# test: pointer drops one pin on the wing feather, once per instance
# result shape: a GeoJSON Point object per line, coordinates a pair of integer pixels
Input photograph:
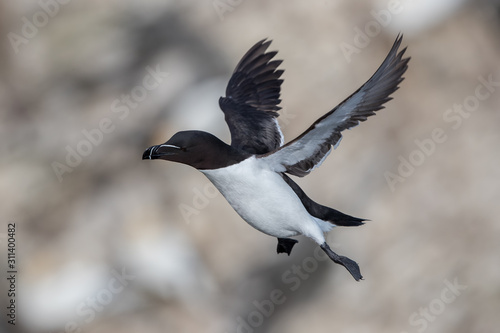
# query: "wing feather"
{"type": "Point", "coordinates": [251, 103]}
{"type": "Point", "coordinates": [300, 156]}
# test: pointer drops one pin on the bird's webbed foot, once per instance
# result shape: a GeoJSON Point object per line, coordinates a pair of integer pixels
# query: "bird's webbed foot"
{"type": "Point", "coordinates": [285, 245]}
{"type": "Point", "coordinates": [349, 264]}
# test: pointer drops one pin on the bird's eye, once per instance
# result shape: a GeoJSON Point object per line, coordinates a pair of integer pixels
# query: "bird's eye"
{"type": "Point", "coordinates": [183, 148]}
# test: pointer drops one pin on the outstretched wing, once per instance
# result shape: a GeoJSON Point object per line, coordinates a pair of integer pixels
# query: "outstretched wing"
{"type": "Point", "coordinates": [251, 103]}
{"type": "Point", "coordinates": [308, 150]}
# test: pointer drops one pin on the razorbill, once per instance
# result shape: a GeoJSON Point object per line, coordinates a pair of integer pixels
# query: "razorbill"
{"type": "Point", "coordinates": [251, 173]}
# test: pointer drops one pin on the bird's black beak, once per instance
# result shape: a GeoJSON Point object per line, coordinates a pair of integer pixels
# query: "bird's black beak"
{"type": "Point", "coordinates": [148, 154]}
{"type": "Point", "coordinates": [160, 151]}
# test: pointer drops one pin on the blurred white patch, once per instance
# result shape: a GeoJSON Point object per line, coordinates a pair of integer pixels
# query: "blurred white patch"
{"type": "Point", "coordinates": [198, 108]}
{"type": "Point", "coordinates": [51, 301]}
{"type": "Point", "coordinates": [417, 16]}
{"type": "Point", "coordinates": [167, 264]}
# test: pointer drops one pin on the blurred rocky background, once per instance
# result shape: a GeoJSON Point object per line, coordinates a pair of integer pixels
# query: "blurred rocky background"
{"type": "Point", "coordinates": [106, 242]}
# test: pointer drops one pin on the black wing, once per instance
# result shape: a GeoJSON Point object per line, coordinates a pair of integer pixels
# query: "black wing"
{"type": "Point", "coordinates": [308, 150]}
{"type": "Point", "coordinates": [251, 103]}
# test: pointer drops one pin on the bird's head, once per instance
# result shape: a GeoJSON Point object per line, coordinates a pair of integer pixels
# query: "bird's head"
{"type": "Point", "coordinates": [198, 149]}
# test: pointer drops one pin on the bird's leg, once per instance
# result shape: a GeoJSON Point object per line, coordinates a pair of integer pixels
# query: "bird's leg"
{"type": "Point", "coordinates": [349, 264]}
{"type": "Point", "coordinates": [285, 245]}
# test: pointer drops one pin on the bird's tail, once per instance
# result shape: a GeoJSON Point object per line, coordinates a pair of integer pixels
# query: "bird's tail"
{"type": "Point", "coordinates": [322, 212]}
{"type": "Point", "coordinates": [341, 219]}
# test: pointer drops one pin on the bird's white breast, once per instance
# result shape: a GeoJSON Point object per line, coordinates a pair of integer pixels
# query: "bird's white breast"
{"type": "Point", "coordinates": [261, 197]}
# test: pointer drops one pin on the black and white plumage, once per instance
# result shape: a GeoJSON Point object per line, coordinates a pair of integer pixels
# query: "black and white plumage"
{"type": "Point", "coordinates": [251, 173]}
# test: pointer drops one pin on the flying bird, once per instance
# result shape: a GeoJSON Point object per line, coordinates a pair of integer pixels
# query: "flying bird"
{"type": "Point", "coordinates": [252, 172]}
